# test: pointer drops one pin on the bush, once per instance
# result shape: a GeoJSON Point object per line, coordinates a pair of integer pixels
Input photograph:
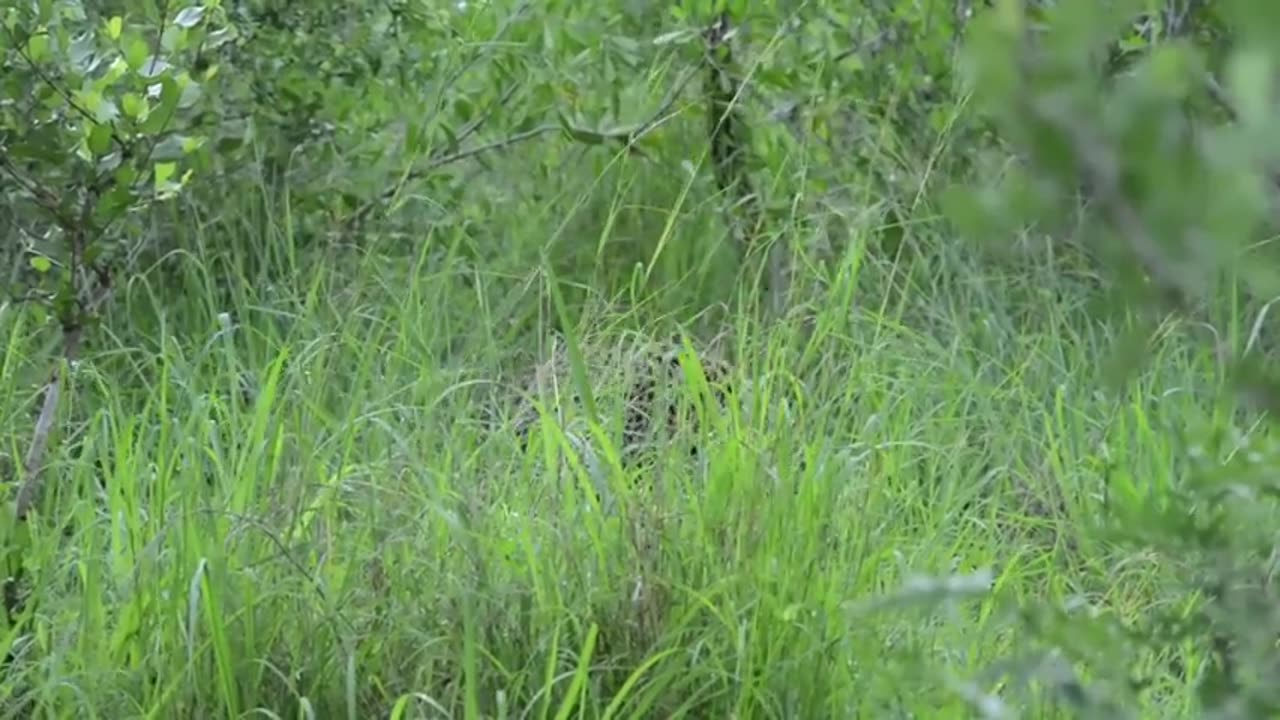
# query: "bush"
{"type": "Point", "coordinates": [1120, 112]}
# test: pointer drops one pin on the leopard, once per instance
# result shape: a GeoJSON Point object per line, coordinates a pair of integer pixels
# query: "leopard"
{"type": "Point", "coordinates": [660, 385]}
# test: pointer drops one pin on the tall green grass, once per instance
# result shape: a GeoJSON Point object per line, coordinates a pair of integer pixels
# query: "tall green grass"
{"type": "Point", "coordinates": [279, 492]}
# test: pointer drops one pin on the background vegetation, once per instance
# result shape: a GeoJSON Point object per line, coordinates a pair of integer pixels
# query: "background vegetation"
{"type": "Point", "coordinates": [992, 283]}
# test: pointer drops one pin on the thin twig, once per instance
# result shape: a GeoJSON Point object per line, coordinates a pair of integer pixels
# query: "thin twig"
{"type": "Point", "coordinates": [443, 160]}
{"type": "Point", "coordinates": [472, 127]}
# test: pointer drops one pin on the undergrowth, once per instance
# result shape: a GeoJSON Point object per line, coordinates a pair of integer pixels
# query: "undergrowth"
{"type": "Point", "coordinates": [285, 498]}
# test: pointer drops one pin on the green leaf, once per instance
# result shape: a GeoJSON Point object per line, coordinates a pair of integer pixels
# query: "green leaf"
{"type": "Point", "coordinates": [191, 92]}
{"type": "Point", "coordinates": [164, 172]}
{"type": "Point", "coordinates": [170, 94]}
{"type": "Point", "coordinates": [175, 147]}
{"type": "Point", "coordinates": [675, 37]}
{"type": "Point", "coordinates": [173, 40]}
{"type": "Point", "coordinates": [115, 71]}
{"type": "Point", "coordinates": [134, 106]}
{"type": "Point", "coordinates": [165, 186]}
{"type": "Point", "coordinates": [83, 53]}
{"type": "Point", "coordinates": [463, 108]}
{"type": "Point", "coordinates": [89, 99]}
{"type": "Point", "coordinates": [114, 204]}
{"type": "Point", "coordinates": [189, 17]}
{"type": "Point", "coordinates": [115, 26]}
{"type": "Point", "coordinates": [136, 52]}
{"type": "Point", "coordinates": [168, 149]}
{"type": "Point", "coordinates": [100, 139]}
{"type": "Point", "coordinates": [154, 66]}
{"type": "Point", "coordinates": [73, 11]}
{"type": "Point", "coordinates": [220, 37]}
{"type": "Point", "coordinates": [44, 144]}
{"type": "Point", "coordinates": [41, 264]}
{"type": "Point", "coordinates": [38, 46]}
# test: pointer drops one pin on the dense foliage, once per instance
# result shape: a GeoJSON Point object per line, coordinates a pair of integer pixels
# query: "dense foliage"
{"type": "Point", "coordinates": [997, 278]}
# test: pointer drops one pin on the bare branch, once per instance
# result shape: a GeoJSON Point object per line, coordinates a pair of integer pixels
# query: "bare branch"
{"type": "Point", "coordinates": [32, 484]}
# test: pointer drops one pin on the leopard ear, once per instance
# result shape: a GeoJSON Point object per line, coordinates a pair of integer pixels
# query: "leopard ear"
{"type": "Point", "coordinates": [675, 339]}
{"type": "Point", "coordinates": [671, 358]}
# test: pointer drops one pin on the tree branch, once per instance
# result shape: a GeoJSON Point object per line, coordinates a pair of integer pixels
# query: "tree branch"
{"type": "Point", "coordinates": [627, 136]}
{"type": "Point", "coordinates": [33, 465]}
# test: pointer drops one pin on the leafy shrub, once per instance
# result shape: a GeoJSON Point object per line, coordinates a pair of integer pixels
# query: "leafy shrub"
{"type": "Point", "coordinates": [1176, 171]}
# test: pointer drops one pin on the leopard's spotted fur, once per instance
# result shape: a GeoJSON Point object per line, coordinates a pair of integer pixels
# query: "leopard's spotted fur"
{"type": "Point", "coordinates": [648, 378]}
